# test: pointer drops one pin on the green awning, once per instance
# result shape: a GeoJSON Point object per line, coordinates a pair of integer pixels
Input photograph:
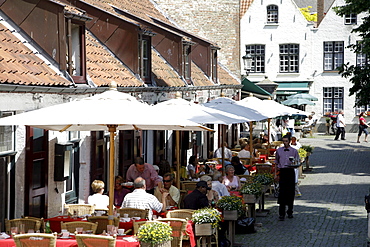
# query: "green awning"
{"type": "Point", "coordinates": [292, 87]}
{"type": "Point", "coordinates": [250, 87]}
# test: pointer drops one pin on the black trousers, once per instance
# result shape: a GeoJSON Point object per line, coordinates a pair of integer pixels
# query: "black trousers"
{"type": "Point", "coordinates": [286, 191]}
{"type": "Point", "coordinates": [340, 131]}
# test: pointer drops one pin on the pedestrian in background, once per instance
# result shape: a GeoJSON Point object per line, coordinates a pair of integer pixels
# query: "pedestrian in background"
{"type": "Point", "coordinates": [340, 126]}
{"type": "Point", "coordinates": [287, 177]}
{"type": "Point", "coordinates": [362, 127]}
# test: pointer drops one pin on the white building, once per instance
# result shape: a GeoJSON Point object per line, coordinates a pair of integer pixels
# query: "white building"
{"type": "Point", "coordinates": [301, 56]}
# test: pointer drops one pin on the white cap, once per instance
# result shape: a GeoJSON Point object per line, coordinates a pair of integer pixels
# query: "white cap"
{"type": "Point", "coordinates": [156, 167]}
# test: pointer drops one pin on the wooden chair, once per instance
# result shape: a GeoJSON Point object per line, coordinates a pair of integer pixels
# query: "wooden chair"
{"type": "Point", "coordinates": [29, 223]}
{"type": "Point", "coordinates": [245, 161]}
{"type": "Point", "coordinates": [178, 230]}
{"type": "Point", "coordinates": [137, 224]}
{"type": "Point", "coordinates": [185, 214]}
{"type": "Point", "coordinates": [263, 168]}
{"type": "Point", "coordinates": [189, 186]}
{"type": "Point", "coordinates": [81, 209]}
{"type": "Point", "coordinates": [88, 240]}
{"type": "Point", "coordinates": [35, 218]}
{"type": "Point", "coordinates": [71, 226]}
{"type": "Point", "coordinates": [183, 193]}
{"type": "Point", "coordinates": [263, 151]}
{"type": "Point", "coordinates": [134, 212]}
{"type": "Point", "coordinates": [102, 222]}
{"type": "Point", "coordinates": [35, 240]}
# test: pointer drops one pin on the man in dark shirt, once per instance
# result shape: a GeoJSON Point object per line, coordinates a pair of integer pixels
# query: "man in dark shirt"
{"type": "Point", "coordinates": [197, 199]}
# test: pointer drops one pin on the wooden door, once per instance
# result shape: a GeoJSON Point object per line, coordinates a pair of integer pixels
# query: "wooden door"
{"type": "Point", "coordinates": [36, 176]}
{"type": "Point", "coordinates": [99, 159]}
{"type": "Point", "coordinates": [128, 149]}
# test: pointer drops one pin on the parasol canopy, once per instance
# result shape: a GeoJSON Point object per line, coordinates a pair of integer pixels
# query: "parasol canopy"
{"type": "Point", "coordinates": [303, 96]}
{"type": "Point", "coordinates": [296, 101]}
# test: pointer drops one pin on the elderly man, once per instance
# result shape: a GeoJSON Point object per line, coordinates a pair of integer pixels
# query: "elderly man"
{"type": "Point", "coordinates": [218, 186]}
{"type": "Point", "coordinates": [174, 194]}
{"type": "Point", "coordinates": [197, 199]}
{"type": "Point", "coordinates": [341, 131]}
{"type": "Point", "coordinates": [146, 171]}
{"type": "Point", "coordinates": [140, 199]}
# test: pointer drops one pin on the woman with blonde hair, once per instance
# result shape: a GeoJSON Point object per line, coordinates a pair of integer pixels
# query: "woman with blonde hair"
{"type": "Point", "coordinates": [98, 199]}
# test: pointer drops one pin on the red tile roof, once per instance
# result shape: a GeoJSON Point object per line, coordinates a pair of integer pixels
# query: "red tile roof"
{"type": "Point", "coordinates": [198, 77]}
{"type": "Point", "coordinates": [164, 74]}
{"type": "Point", "coordinates": [19, 65]}
{"type": "Point", "coordinates": [103, 68]}
{"type": "Point", "coordinates": [244, 5]}
{"type": "Point", "coordinates": [225, 77]}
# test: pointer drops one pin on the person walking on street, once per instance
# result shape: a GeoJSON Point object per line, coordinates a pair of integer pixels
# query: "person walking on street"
{"type": "Point", "coordinates": [362, 127]}
{"type": "Point", "coordinates": [340, 126]}
{"type": "Point", "coordinates": [284, 160]}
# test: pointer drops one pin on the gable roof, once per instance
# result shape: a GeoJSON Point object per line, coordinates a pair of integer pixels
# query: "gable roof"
{"type": "Point", "coordinates": [313, 4]}
{"type": "Point", "coordinates": [244, 6]}
{"type": "Point", "coordinates": [19, 65]}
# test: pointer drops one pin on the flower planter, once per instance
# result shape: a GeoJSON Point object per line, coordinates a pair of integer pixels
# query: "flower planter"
{"type": "Point", "coordinates": [164, 244]}
{"type": "Point", "coordinates": [204, 229]}
{"type": "Point", "coordinates": [230, 214]}
{"type": "Point", "coordinates": [249, 198]}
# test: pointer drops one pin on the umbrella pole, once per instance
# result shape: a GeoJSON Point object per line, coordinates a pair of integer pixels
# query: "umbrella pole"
{"type": "Point", "coordinates": [112, 130]}
{"type": "Point", "coordinates": [222, 148]}
{"type": "Point", "coordinates": [178, 159]}
{"type": "Point", "coordinates": [268, 132]}
{"type": "Point", "coordinates": [251, 142]}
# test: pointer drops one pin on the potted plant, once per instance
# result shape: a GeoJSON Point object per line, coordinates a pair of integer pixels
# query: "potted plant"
{"type": "Point", "coordinates": [308, 148]}
{"type": "Point", "coordinates": [265, 179]}
{"type": "Point", "coordinates": [206, 221]}
{"type": "Point", "coordinates": [251, 191]}
{"type": "Point", "coordinates": [232, 207]}
{"type": "Point", "coordinates": [155, 234]}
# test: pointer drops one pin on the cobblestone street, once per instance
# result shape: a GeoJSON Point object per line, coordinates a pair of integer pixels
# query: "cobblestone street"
{"type": "Point", "coordinates": [331, 211]}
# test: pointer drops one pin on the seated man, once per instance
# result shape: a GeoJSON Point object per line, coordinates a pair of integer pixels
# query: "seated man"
{"type": "Point", "coordinates": [174, 194]}
{"type": "Point", "coordinates": [197, 199]}
{"type": "Point", "coordinates": [218, 186]}
{"type": "Point", "coordinates": [140, 199]}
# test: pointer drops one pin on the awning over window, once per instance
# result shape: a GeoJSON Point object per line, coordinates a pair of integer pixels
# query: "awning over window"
{"type": "Point", "coordinates": [292, 87]}
{"type": "Point", "coordinates": [250, 87]}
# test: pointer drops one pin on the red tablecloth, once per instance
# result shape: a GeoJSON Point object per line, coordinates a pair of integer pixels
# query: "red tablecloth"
{"type": "Point", "coordinates": [55, 222]}
{"type": "Point", "coordinates": [71, 243]}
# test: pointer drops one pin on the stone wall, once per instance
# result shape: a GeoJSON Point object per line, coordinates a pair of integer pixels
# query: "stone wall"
{"type": "Point", "coordinates": [214, 20]}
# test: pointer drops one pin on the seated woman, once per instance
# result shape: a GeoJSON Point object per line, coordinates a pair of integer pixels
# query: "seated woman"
{"type": "Point", "coordinates": [240, 169]}
{"type": "Point", "coordinates": [98, 199]}
{"type": "Point", "coordinates": [119, 191]}
{"type": "Point", "coordinates": [190, 168]}
{"type": "Point", "coordinates": [231, 181]}
{"type": "Point", "coordinates": [212, 195]}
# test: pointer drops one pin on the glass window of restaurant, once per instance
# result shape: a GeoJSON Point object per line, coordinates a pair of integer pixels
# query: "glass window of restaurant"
{"type": "Point", "coordinates": [333, 99]}
{"type": "Point", "coordinates": [72, 183]}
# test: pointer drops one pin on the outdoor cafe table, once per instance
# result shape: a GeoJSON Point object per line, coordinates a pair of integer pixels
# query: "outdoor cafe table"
{"type": "Point", "coordinates": [72, 242]}
{"type": "Point", "coordinates": [55, 223]}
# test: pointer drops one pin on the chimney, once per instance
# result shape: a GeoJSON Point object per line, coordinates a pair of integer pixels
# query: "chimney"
{"type": "Point", "coordinates": [320, 11]}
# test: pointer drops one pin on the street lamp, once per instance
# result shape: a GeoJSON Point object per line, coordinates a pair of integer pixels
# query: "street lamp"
{"type": "Point", "coordinates": [247, 60]}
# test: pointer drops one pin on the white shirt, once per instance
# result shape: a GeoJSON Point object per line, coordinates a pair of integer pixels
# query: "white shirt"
{"type": "Point", "coordinates": [297, 146]}
{"type": "Point", "coordinates": [340, 119]}
{"type": "Point", "coordinates": [227, 152]}
{"type": "Point", "coordinates": [142, 200]}
{"type": "Point", "coordinates": [100, 201]}
{"type": "Point", "coordinates": [244, 154]}
{"type": "Point", "coordinates": [220, 189]}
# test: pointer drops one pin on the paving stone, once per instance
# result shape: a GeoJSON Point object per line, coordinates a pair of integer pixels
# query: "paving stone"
{"type": "Point", "coordinates": [331, 211]}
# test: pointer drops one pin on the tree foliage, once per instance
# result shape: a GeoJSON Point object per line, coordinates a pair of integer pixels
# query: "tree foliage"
{"type": "Point", "coordinates": [359, 76]}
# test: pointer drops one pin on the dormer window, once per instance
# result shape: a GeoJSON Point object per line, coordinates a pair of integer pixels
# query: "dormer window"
{"type": "Point", "coordinates": [186, 60]}
{"type": "Point", "coordinates": [214, 65]}
{"type": "Point", "coordinates": [145, 57]}
{"type": "Point", "coordinates": [272, 14]}
{"type": "Point", "coordinates": [76, 53]}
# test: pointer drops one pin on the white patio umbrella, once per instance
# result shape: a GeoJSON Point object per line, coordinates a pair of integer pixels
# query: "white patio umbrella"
{"type": "Point", "coordinates": [196, 113]}
{"type": "Point", "coordinates": [111, 110]}
{"type": "Point", "coordinates": [303, 96]}
{"type": "Point", "coordinates": [240, 109]}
